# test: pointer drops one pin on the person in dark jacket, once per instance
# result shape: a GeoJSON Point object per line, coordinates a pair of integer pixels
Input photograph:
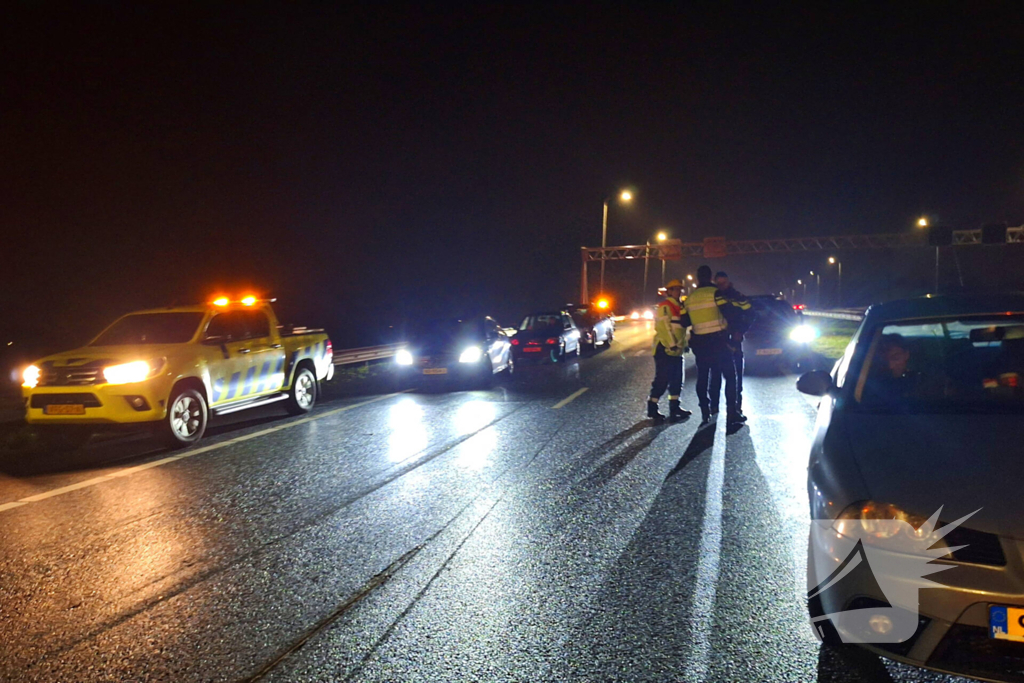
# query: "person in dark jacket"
{"type": "Point", "coordinates": [742, 317]}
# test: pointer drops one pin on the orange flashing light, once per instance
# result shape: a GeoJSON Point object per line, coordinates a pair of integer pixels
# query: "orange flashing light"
{"type": "Point", "coordinates": [603, 303]}
{"type": "Point", "coordinates": [221, 301]}
{"type": "Point", "coordinates": [249, 300]}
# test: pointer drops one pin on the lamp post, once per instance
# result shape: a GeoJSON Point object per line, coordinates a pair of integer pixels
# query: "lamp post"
{"type": "Point", "coordinates": [625, 197]}
{"type": "Point", "coordinates": [922, 223]}
{"type": "Point", "coordinates": [833, 261]}
{"type": "Point", "coordinates": [803, 296]}
{"type": "Point", "coordinates": [817, 289]}
{"type": "Point", "coordinates": [689, 282]}
{"type": "Point", "coordinates": [661, 237]}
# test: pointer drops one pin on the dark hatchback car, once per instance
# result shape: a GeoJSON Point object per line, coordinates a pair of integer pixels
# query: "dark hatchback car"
{"type": "Point", "coordinates": [596, 327]}
{"type": "Point", "coordinates": [455, 351]}
{"type": "Point", "coordinates": [778, 338]}
{"type": "Point", "coordinates": [550, 336]}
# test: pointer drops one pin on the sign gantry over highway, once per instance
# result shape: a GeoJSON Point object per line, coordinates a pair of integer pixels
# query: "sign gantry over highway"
{"type": "Point", "coordinates": [720, 247]}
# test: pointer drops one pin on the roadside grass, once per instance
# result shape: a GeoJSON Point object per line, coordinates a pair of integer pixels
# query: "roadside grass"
{"type": "Point", "coordinates": [835, 335]}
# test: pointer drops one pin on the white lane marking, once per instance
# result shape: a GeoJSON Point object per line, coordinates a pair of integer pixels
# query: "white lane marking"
{"type": "Point", "coordinates": [126, 471]}
{"type": "Point", "coordinates": [705, 590]}
{"type": "Point", "coordinates": [569, 399]}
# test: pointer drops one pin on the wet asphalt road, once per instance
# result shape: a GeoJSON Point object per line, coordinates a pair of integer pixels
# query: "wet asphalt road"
{"type": "Point", "coordinates": [441, 536]}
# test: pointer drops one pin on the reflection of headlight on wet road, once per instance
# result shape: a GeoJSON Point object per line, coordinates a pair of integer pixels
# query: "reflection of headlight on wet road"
{"type": "Point", "coordinates": [403, 357]}
{"type": "Point", "coordinates": [803, 334]}
{"type": "Point", "coordinates": [470, 355]}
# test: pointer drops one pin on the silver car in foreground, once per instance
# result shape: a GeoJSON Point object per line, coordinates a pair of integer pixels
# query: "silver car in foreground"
{"type": "Point", "coordinates": [917, 469]}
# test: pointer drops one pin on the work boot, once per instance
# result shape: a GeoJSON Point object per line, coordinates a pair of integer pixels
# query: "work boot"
{"type": "Point", "coordinates": [735, 419]}
{"type": "Point", "coordinates": [652, 411]}
{"type": "Point", "coordinates": [705, 417]}
{"type": "Point", "coordinates": [675, 413]}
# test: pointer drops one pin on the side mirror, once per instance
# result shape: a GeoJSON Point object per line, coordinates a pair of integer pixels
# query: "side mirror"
{"type": "Point", "coordinates": [815, 383]}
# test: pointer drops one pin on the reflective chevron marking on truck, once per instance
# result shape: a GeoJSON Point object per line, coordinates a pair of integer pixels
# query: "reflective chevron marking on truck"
{"type": "Point", "coordinates": [264, 377]}
{"type": "Point", "coordinates": [218, 389]}
{"type": "Point", "coordinates": [233, 386]}
{"type": "Point", "coordinates": [249, 377]}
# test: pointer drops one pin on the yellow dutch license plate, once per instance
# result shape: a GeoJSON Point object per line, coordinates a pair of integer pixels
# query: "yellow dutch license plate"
{"type": "Point", "coordinates": [769, 352]}
{"type": "Point", "coordinates": [1006, 623]}
{"type": "Point", "coordinates": [64, 409]}
{"type": "Point", "coordinates": [435, 371]}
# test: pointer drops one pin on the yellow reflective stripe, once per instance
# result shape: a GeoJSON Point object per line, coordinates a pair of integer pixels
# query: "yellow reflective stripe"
{"type": "Point", "coordinates": [698, 307]}
{"type": "Point", "coordinates": [708, 327]}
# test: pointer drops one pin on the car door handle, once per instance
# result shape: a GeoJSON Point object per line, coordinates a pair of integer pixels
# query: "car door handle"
{"type": "Point", "coordinates": [244, 350]}
{"type": "Point", "coordinates": [275, 346]}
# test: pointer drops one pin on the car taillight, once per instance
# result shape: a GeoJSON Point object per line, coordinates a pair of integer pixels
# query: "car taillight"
{"type": "Point", "coordinates": [329, 353]}
{"type": "Point", "coordinates": [798, 307]}
{"type": "Point", "coordinates": [552, 340]}
{"type": "Point", "coordinates": [515, 342]}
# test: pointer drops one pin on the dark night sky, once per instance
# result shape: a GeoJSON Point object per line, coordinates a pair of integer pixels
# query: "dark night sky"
{"type": "Point", "coordinates": [366, 163]}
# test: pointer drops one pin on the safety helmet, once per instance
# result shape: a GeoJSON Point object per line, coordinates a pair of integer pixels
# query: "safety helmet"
{"type": "Point", "coordinates": [674, 283]}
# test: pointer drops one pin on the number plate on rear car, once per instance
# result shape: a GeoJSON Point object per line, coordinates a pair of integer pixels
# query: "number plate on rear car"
{"type": "Point", "coordinates": [435, 371]}
{"type": "Point", "coordinates": [1006, 623]}
{"type": "Point", "coordinates": [769, 352]}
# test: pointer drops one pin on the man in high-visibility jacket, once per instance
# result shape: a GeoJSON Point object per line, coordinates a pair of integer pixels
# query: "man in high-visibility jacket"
{"type": "Point", "coordinates": [709, 314]}
{"type": "Point", "coordinates": [669, 341]}
{"type": "Point", "coordinates": [737, 328]}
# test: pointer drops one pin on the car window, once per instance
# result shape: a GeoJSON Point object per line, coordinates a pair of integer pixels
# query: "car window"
{"type": "Point", "coordinates": [256, 324]}
{"type": "Point", "coordinates": [228, 325]}
{"type": "Point", "coordinates": [951, 365]}
{"type": "Point", "coordinates": [541, 321]}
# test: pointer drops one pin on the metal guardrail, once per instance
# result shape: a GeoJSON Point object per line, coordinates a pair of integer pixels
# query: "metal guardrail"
{"type": "Point", "coordinates": [854, 314]}
{"type": "Point", "coordinates": [365, 354]}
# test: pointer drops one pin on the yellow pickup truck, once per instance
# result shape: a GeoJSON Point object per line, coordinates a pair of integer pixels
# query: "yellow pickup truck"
{"type": "Point", "coordinates": [170, 369]}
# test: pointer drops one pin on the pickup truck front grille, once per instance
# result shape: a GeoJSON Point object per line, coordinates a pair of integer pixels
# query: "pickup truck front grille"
{"type": "Point", "coordinates": [75, 376]}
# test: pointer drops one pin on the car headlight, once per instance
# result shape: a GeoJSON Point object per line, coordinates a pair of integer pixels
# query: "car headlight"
{"type": "Point", "coordinates": [136, 371]}
{"type": "Point", "coordinates": [470, 354]}
{"type": "Point", "coordinates": [648, 315]}
{"type": "Point", "coordinates": [634, 315]}
{"type": "Point", "coordinates": [803, 334]}
{"type": "Point", "coordinates": [886, 525]}
{"type": "Point", "coordinates": [30, 377]}
{"type": "Point", "coordinates": [403, 357]}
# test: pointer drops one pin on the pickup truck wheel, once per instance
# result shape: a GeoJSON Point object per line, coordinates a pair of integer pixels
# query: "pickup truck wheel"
{"type": "Point", "coordinates": [302, 395]}
{"type": "Point", "coordinates": [186, 419]}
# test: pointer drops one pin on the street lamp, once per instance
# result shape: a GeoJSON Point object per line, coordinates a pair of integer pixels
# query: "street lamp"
{"type": "Point", "coordinates": [803, 297]}
{"type": "Point", "coordinates": [817, 289]}
{"type": "Point", "coordinates": [922, 222]}
{"type": "Point", "coordinates": [625, 197]}
{"type": "Point", "coordinates": [833, 261]}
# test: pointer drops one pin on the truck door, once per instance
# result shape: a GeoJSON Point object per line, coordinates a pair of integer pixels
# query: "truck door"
{"type": "Point", "coordinates": [227, 373]}
{"type": "Point", "coordinates": [266, 353]}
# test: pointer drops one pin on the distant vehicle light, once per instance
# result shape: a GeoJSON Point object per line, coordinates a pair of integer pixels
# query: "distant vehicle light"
{"type": "Point", "coordinates": [249, 300]}
{"type": "Point", "coordinates": [635, 315]}
{"type": "Point", "coordinates": [803, 334]}
{"type": "Point", "coordinates": [30, 377]}
{"type": "Point", "coordinates": [648, 315]}
{"type": "Point", "coordinates": [126, 373]}
{"type": "Point", "coordinates": [403, 357]}
{"type": "Point", "coordinates": [799, 307]}
{"type": "Point", "coordinates": [471, 354]}
{"type": "Point", "coordinates": [221, 301]}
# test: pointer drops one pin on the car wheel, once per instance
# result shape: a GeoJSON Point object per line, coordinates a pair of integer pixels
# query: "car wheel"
{"type": "Point", "coordinates": [186, 419]}
{"type": "Point", "coordinates": [63, 438]}
{"type": "Point", "coordinates": [302, 395]}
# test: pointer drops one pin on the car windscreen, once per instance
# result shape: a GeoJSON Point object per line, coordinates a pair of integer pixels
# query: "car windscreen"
{"type": "Point", "coordinates": [770, 314]}
{"type": "Point", "coordinates": [542, 321]}
{"type": "Point", "coordinates": [443, 331]}
{"type": "Point", "coordinates": [952, 365]}
{"type": "Point", "coordinates": [151, 328]}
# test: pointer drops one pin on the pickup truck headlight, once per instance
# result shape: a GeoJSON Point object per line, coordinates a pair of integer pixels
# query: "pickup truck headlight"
{"type": "Point", "coordinates": [136, 371]}
{"type": "Point", "coordinates": [30, 377]}
{"type": "Point", "coordinates": [470, 354]}
{"type": "Point", "coordinates": [403, 357]}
